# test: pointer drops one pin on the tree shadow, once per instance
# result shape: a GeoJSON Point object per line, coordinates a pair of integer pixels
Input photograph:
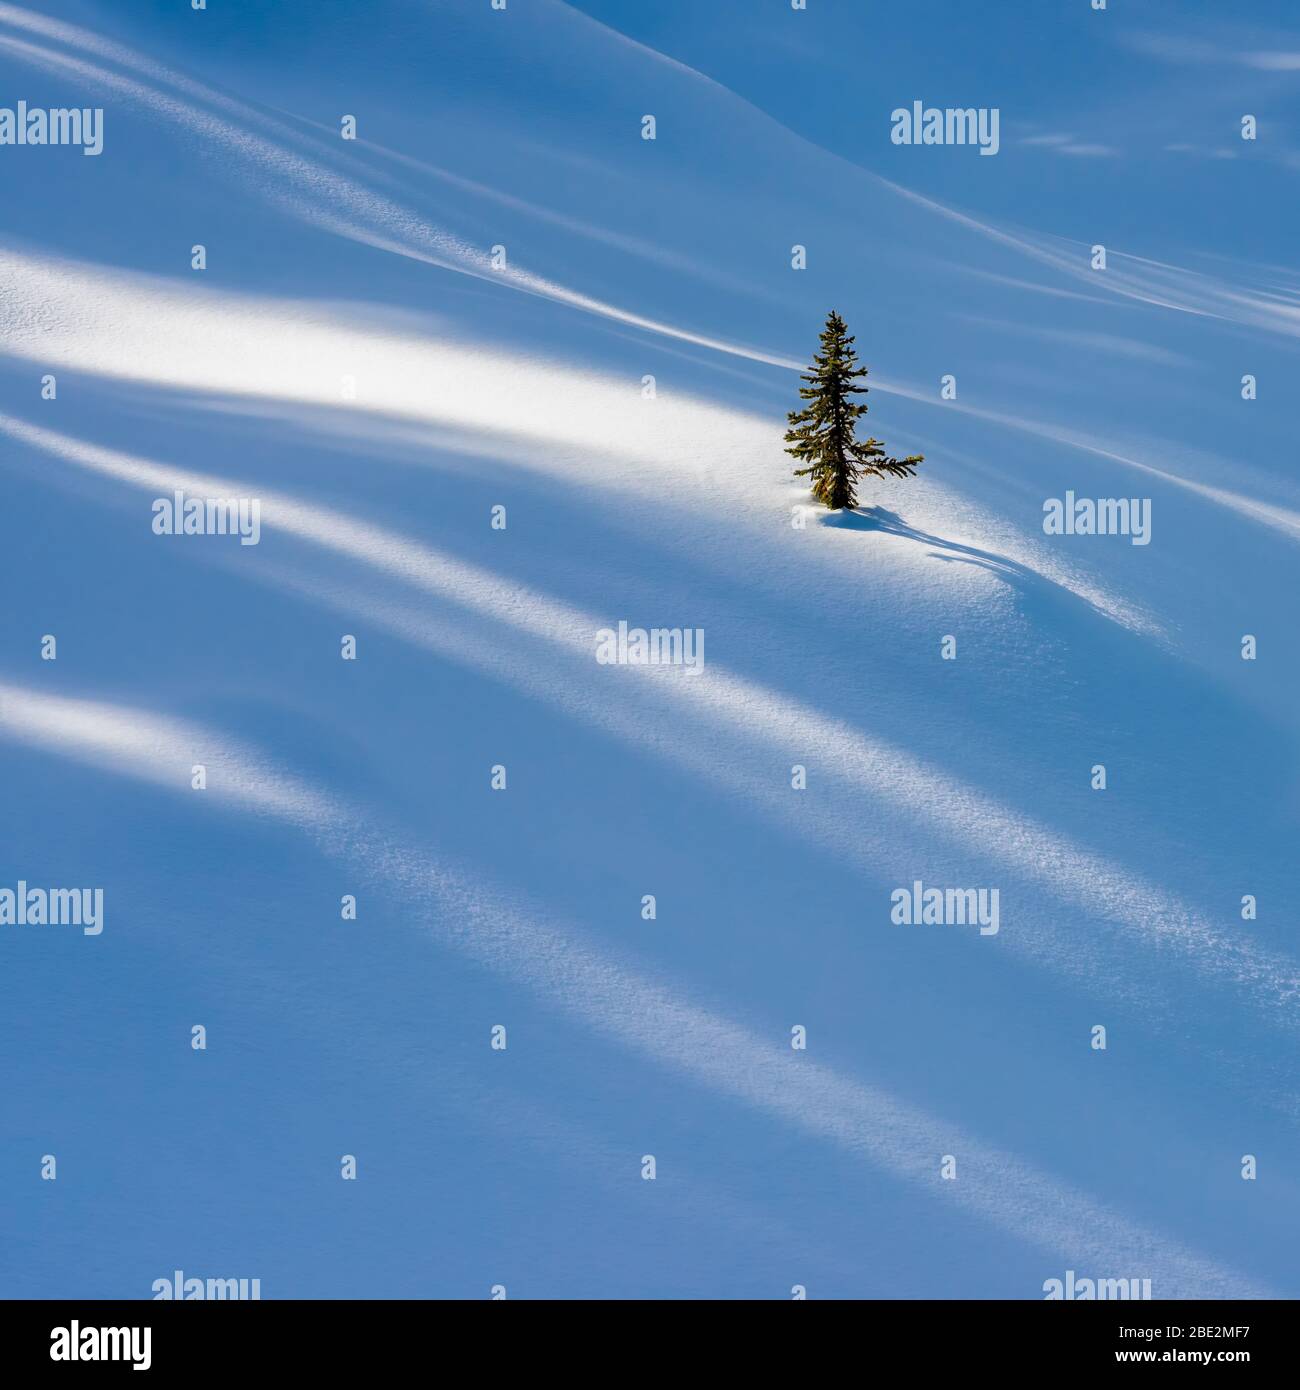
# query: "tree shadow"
{"type": "Point", "coordinates": [1029, 582]}
{"type": "Point", "coordinates": [1091, 689]}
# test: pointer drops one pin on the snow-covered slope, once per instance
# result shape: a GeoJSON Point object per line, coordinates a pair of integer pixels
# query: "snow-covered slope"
{"type": "Point", "coordinates": [358, 358]}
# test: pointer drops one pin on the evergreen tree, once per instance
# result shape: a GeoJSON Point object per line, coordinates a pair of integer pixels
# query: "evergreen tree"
{"type": "Point", "coordinates": [822, 434]}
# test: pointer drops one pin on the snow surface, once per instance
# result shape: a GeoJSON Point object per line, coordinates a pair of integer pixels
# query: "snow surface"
{"type": "Point", "coordinates": [371, 260]}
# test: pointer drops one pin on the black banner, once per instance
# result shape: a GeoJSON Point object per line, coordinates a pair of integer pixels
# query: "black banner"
{"type": "Point", "coordinates": [336, 1338]}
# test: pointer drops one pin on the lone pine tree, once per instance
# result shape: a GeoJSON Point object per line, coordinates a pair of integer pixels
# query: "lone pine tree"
{"type": "Point", "coordinates": [822, 434]}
